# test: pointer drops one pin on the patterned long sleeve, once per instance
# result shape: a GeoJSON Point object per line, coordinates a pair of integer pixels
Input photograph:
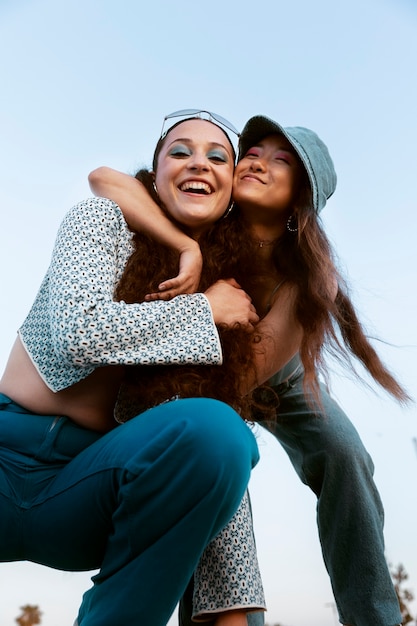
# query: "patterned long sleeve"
{"type": "Point", "coordinates": [228, 576]}
{"type": "Point", "coordinates": [75, 325]}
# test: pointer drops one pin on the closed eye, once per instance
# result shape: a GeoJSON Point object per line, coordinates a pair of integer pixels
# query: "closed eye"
{"type": "Point", "coordinates": [285, 156]}
{"type": "Point", "coordinates": [218, 157]}
{"type": "Point", "coordinates": [179, 152]}
{"type": "Point", "coordinates": [252, 153]}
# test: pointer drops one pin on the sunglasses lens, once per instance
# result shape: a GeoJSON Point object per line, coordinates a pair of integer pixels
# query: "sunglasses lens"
{"type": "Point", "coordinates": [225, 123]}
{"type": "Point", "coordinates": [183, 112]}
{"type": "Point", "coordinates": [204, 115]}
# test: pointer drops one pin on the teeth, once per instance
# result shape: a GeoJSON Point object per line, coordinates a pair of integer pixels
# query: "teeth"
{"type": "Point", "coordinates": [196, 185]}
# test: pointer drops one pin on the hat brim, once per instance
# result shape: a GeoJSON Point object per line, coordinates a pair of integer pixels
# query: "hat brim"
{"type": "Point", "coordinates": [256, 129]}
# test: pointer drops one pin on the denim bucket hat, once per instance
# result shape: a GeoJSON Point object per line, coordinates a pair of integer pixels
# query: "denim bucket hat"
{"type": "Point", "coordinates": [312, 152]}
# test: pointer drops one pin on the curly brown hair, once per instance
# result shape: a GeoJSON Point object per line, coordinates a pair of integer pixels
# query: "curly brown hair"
{"type": "Point", "coordinates": [146, 386]}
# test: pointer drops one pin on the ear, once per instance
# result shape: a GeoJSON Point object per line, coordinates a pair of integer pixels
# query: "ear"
{"type": "Point", "coordinates": [154, 184]}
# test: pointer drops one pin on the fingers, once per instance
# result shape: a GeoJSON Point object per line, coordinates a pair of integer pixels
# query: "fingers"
{"type": "Point", "coordinates": [183, 283]}
{"type": "Point", "coordinates": [160, 295]}
{"type": "Point", "coordinates": [253, 317]}
{"type": "Point", "coordinates": [173, 287]}
{"type": "Point", "coordinates": [232, 282]}
{"type": "Point", "coordinates": [171, 283]}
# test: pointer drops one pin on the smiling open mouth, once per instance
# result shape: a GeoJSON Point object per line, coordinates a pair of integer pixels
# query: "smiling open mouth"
{"type": "Point", "coordinates": [196, 187]}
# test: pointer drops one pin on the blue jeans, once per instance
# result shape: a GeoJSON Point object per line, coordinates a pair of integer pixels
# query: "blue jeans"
{"type": "Point", "coordinates": [330, 458]}
{"type": "Point", "coordinates": [140, 502]}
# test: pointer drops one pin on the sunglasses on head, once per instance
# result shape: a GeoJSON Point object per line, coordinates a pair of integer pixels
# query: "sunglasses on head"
{"type": "Point", "coordinates": [203, 115]}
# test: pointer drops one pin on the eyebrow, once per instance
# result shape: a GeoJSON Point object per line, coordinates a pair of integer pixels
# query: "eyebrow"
{"type": "Point", "coordinates": [287, 149]}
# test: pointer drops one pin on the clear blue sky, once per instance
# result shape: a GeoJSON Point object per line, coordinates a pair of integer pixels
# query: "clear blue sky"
{"type": "Point", "coordinates": [87, 82]}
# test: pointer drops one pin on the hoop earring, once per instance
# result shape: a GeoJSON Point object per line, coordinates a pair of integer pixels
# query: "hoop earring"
{"type": "Point", "coordinates": [292, 223]}
{"type": "Point", "coordinates": [155, 188]}
{"type": "Point", "coordinates": [228, 211]}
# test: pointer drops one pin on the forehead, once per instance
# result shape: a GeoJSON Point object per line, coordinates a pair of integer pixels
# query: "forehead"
{"type": "Point", "coordinates": [276, 141]}
{"type": "Point", "coordinates": [198, 132]}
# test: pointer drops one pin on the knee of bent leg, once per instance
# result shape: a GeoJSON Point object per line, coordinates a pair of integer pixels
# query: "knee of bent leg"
{"type": "Point", "coordinates": [219, 434]}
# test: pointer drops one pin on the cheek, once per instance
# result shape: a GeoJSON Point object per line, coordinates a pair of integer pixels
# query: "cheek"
{"type": "Point", "coordinates": [237, 170]}
{"type": "Point", "coordinates": [227, 177]}
{"type": "Point", "coordinates": [163, 179]}
{"type": "Point", "coordinates": [235, 181]}
{"type": "Point", "coordinates": [224, 187]}
{"type": "Point", "coordinates": [294, 185]}
{"type": "Point", "coordinates": [228, 187]}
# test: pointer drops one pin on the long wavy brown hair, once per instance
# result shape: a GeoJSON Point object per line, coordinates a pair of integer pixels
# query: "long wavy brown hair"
{"type": "Point", "coordinates": [305, 258]}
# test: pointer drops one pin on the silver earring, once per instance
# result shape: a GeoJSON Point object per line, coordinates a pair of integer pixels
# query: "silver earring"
{"type": "Point", "coordinates": [292, 224]}
{"type": "Point", "coordinates": [229, 210]}
{"type": "Point", "coordinates": [155, 188]}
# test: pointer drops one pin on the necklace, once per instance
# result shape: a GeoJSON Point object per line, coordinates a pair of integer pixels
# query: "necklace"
{"type": "Point", "coordinates": [265, 242]}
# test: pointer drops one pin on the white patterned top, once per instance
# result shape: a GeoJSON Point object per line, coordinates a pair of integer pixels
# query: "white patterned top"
{"type": "Point", "coordinates": [74, 325]}
{"type": "Point", "coordinates": [227, 576]}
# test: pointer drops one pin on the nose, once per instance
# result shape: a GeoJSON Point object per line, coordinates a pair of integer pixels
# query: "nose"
{"type": "Point", "coordinates": [258, 165]}
{"type": "Point", "coordinates": [198, 161]}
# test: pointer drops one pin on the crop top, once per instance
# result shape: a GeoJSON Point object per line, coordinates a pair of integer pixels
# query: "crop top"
{"type": "Point", "coordinates": [75, 325]}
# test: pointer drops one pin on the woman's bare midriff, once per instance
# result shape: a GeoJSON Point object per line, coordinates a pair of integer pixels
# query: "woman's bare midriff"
{"type": "Point", "coordinates": [89, 403]}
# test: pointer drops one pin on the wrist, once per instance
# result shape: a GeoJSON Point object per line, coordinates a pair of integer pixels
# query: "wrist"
{"type": "Point", "coordinates": [188, 244]}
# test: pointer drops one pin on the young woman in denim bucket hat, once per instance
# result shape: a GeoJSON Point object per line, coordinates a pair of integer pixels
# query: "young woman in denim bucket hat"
{"type": "Point", "coordinates": [282, 181]}
{"type": "Point", "coordinates": [284, 177]}
{"type": "Point", "coordinates": [322, 443]}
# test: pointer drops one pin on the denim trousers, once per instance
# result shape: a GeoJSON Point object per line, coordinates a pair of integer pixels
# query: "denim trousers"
{"type": "Point", "coordinates": [139, 503]}
{"type": "Point", "coordinates": [330, 458]}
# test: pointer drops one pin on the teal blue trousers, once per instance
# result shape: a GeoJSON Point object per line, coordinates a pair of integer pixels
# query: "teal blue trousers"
{"type": "Point", "coordinates": [139, 503]}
